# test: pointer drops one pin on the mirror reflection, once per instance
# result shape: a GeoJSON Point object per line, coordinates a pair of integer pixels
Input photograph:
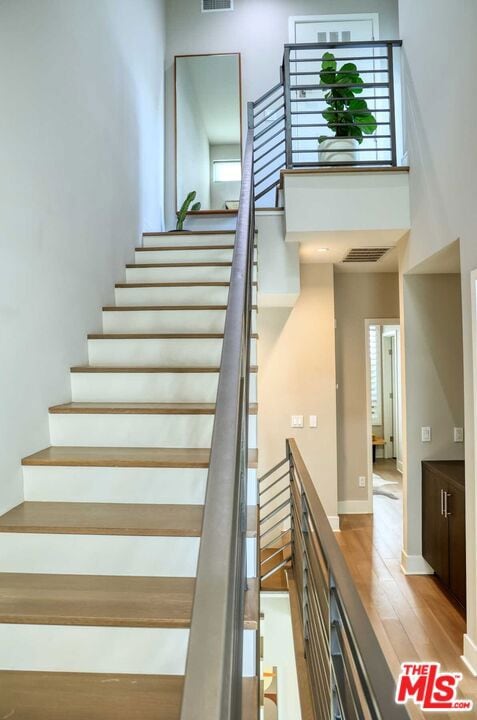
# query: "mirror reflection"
{"type": "Point", "coordinates": [208, 130]}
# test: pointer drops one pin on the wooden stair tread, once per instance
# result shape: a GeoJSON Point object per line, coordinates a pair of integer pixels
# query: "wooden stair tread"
{"type": "Point", "coordinates": [117, 408]}
{"type": "Point", "coordinates": [64, 456]}
{"type": "Point", "coordinates": [104, 519]}
{"type": "Point", "coordinates": [105, 601]}
{"type": "Point", "coordinates": [160, 336]}
{"type": "Point", "coordinates": [89, 696]}
{"type": "Point", "coordinates": [220, 263]}
{"type": "Point", "coordinates": [144, 369]}
{"type": "Point", "coordinates": [159, 308]}
{"type": "Point", "coordinates": [38, 695]}
{"type": "Point", "coordinates": [188, 233]}
{"type": "Point", "coordinates": [167, 248]}
{"type": "Point", "coordinates": [176, 284]}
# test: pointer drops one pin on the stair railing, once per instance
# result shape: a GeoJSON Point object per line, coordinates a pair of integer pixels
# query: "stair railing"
{"type": "Point", "coordinates": [275, 517]}
{"type": "Point", "coordinates": [290, 120]}
{"type": "Point", "coordinates": [349, 677]}
{"type": "Point", "coordinates": [213, 679]}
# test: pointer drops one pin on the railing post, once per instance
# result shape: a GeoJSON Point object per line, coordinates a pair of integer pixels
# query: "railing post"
{"type": "Point", "coordinates": [250, 118]}
{"type": "Point", "coordinates": [288, 117]}
{"type": "Point", "coordinates": [392, 104]}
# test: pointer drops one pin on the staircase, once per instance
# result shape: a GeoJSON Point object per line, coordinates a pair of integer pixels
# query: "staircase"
{"type": "Point", "coordinates": [98, 564]}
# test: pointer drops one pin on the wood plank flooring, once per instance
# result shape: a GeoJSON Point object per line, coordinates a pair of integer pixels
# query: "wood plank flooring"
{"type": "Point", "coordinates": [412, 617]}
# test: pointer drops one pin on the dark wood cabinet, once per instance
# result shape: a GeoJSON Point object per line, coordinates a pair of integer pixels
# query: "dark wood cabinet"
{"type": "Point", "coordinates": [443, 522]}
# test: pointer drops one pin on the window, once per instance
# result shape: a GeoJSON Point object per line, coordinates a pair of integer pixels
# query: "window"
{"type": "Point", "coordinates": [227, 170]}
{"type": "Point", "coordinates": [375, 374]}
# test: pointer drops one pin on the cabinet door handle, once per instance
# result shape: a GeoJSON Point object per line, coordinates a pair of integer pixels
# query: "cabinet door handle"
{"type": "Point", "coordinates": [442, 501]}
{"type": "Point", "coordinates": [446, 512]}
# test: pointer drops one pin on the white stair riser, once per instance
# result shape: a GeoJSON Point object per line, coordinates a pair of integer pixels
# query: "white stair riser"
{"type": "Point", "coordinates": [64, 648]}
{"type": "Point", "coordinates": [99, 554]}
{"type": "Point", "coordinates": [167, 321]}
{"type": "Point", "coordinates": [192, 295]}
{"type": "Point", "coordinates": [174, 431]}
{"type": "Point", "coordinates": [173, 486]}
{"type": "Point", "coordinates": [188, 239]}
{"type": "Point", "coordinates": [163, 321]}
{"type": "Point", "coordinates": [149, 387]}
{"type": "Point", "coordinates": [178, 274]}
{"type": "Point", "coordinates": [119, 555]}
{"type": "Point", "coordinates": [187, 295]}
{"type": "Point", "coordinates": [149, 352]}
{"type": "Point", "coordinates": [190, 255]}
{"type": "Point", "coordinates": [55, 648]}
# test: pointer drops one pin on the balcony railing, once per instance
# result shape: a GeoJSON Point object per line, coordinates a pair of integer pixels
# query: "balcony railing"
{"type": "Point", "coordinates": [335, 105]}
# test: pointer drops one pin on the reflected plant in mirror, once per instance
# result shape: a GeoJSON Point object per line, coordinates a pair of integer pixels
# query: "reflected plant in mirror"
{"type": "Point", "coordinates": [184, 209]}
{"type": "Point", "coordinates": [208, 129]}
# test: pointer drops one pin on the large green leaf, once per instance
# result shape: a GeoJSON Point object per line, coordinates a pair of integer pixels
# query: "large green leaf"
{"type": "Point", "coordinates": [328, 61]}
{"type": "Point", "coordinates": [367, 123]}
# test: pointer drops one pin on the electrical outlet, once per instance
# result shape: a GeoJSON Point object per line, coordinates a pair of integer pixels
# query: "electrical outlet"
{"type": "Point", "coordinates": [362, 481]}
{"type": "Point", "coordinates": [426, 434]}
{"type": "Point", "coordinates": [458, 434]}
{"type": "Point", "coordinates": [313, 423]}
{"type": "Point", "coordinates": [297, 421]}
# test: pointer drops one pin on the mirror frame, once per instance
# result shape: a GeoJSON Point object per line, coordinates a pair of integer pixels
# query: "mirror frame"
{"type": "Point", "coordinates": [191, 55]}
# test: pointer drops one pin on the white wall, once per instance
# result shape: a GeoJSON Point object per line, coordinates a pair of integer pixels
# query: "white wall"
{"type": "Point", "coordinates": [220, 192]}
{"type": "Point", "coordinates": [443, 158]}
{"type": "Point", "coordinates": [258, 30]}
{"type": "Point", "coordinates": [81, 157]}
{"type": "Point", "coordinates": [193, 150]}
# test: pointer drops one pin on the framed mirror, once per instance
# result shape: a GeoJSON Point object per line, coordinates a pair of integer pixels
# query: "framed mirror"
{"type": "Point", "coordinates": [208, 121]}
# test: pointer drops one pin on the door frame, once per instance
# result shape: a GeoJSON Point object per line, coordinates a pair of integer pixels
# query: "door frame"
{"type": "Point", "coordinates": [369, 426]}
{"type": "Point", "coordinates": [293, 19]}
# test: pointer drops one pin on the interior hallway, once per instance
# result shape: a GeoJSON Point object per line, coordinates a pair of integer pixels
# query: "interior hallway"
{"type": "Point", "coordinates": [411, 615]}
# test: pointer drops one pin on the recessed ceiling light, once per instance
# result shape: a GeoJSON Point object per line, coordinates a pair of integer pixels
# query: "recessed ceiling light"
{"type": "Point", "coordinates": [322, 250]}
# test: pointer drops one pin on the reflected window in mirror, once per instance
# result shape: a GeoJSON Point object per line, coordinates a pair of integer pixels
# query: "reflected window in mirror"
{"type": "Point", "coordinates": [208, 129]}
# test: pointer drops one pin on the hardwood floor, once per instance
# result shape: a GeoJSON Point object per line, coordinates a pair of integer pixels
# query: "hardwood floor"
{"type": "Point", "coordinates": [412, 617]}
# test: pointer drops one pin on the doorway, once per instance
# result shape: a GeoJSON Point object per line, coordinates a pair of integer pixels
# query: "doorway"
{"type": "Point", "coordinates": [333, 28]}
{"type": "Point", "coordinates": [384, 411]}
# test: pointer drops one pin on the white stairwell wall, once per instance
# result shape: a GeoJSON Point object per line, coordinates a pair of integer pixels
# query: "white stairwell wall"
{"type": "Point", "coordinates": [82, 167]}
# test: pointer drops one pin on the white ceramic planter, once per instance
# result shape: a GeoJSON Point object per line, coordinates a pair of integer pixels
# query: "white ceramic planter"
{"type": "Point", "coordinates": [329, 147]}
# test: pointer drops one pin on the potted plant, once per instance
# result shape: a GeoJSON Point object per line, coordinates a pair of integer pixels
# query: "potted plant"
{"type": "Point", "coordinates": [182, 213]}
{"type": "Point", "coordinates": [346, 115]}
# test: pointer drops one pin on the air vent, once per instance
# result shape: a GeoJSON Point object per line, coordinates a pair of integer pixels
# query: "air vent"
{"type": "Point", "coordinates": [217, 5]}
{"type": "Point", "coordinates": [365, 255]}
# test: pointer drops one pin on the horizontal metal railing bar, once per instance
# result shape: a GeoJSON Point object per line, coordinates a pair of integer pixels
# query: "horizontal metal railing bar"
{"type": "Point", "coordinates": [269, 162]}
{"type": "Point", "coordinates": [266, 95]}
{"type": "Point", "coordinates": [373, 664]}
{"type": "Point", "coordinates": [269, 127]}
{"type": "Point", "coordinates": [330, 125]}
{"type": "Point", "coordinates": [375, 163]}
{"type": "Point", "coordinates": [270, 187]}
{"type": "Point", "coordinates": [346, 662]}
{"type": "Point", "coordinates": [341, 59]}
{"type": "Point", "coordinates": [355, 112]}
{"type": "Point", "coordinates": [317, 72]}
{"type": "Point", "coordinates": [341, 86]}
{"type": "Point", "coordinates": [262, 180]}
{"type": "Point", "coordinates": [276, 510]}
{"type": "Point", "coordinates": [277, 537]}
{"type": "Point", "coordinates": [272, 137]}
{"type": "Point", "coordinates": [280, 549]}
{"type": "Point", "coordinates": [275, 569]}
{"type": "Point", "coordinates": [267, 117]}
{"type": "Point", "coordinates": [297, 151]}
{"type": "Point", "coordinates": [274, 147]}
{"type": "Point", "coordinates": [282, 477]}
{"type": "Point", "coordinates": [348, 44]}
{"type": "Point", "coordinates": [281, 520]}
{"type": "Point", "coordinates": [272, 470]}
{"type": "Point", "coordinates": [272, 499]}
{"type": "Point", "coordinates": [374, 137]}
{"type": "Point", "coordinates": [368, 98]}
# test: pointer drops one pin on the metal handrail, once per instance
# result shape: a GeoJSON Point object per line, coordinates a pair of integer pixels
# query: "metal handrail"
{"type": "Point", "coordinates": [213, 679]}
{"type": "Point", "coordinates": [348, 621]}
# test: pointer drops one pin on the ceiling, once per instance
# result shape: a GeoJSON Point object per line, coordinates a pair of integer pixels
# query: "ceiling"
{"type": "Point", "coordinates": [332, 247]}
{"type": "Point", "coordinates": [215, 83]}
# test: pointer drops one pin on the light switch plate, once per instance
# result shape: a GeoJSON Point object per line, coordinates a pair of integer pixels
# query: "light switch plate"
{"type": "Point", "coordinates": [362, 481]}
{"type": "Point", "coordinates": [313, 422]}
{"type": "Point", "coordinates": [297, 421]}
{"type": "Point", "coordinates": [426, 434]}
{"type": "Point", "coordinates": [458, 434]}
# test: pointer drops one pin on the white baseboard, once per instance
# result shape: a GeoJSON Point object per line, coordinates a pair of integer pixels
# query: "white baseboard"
{"type": "Point", "coordinates": [334, 522]}
{"type": "Point", "coordinates": [400, 466]}
{"type": "Point", "coordinates": [354, 507]}
{"type": "Point", "coordinates": [415, 565]}
{"type": "Point", "coordinates": [470, 654]}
